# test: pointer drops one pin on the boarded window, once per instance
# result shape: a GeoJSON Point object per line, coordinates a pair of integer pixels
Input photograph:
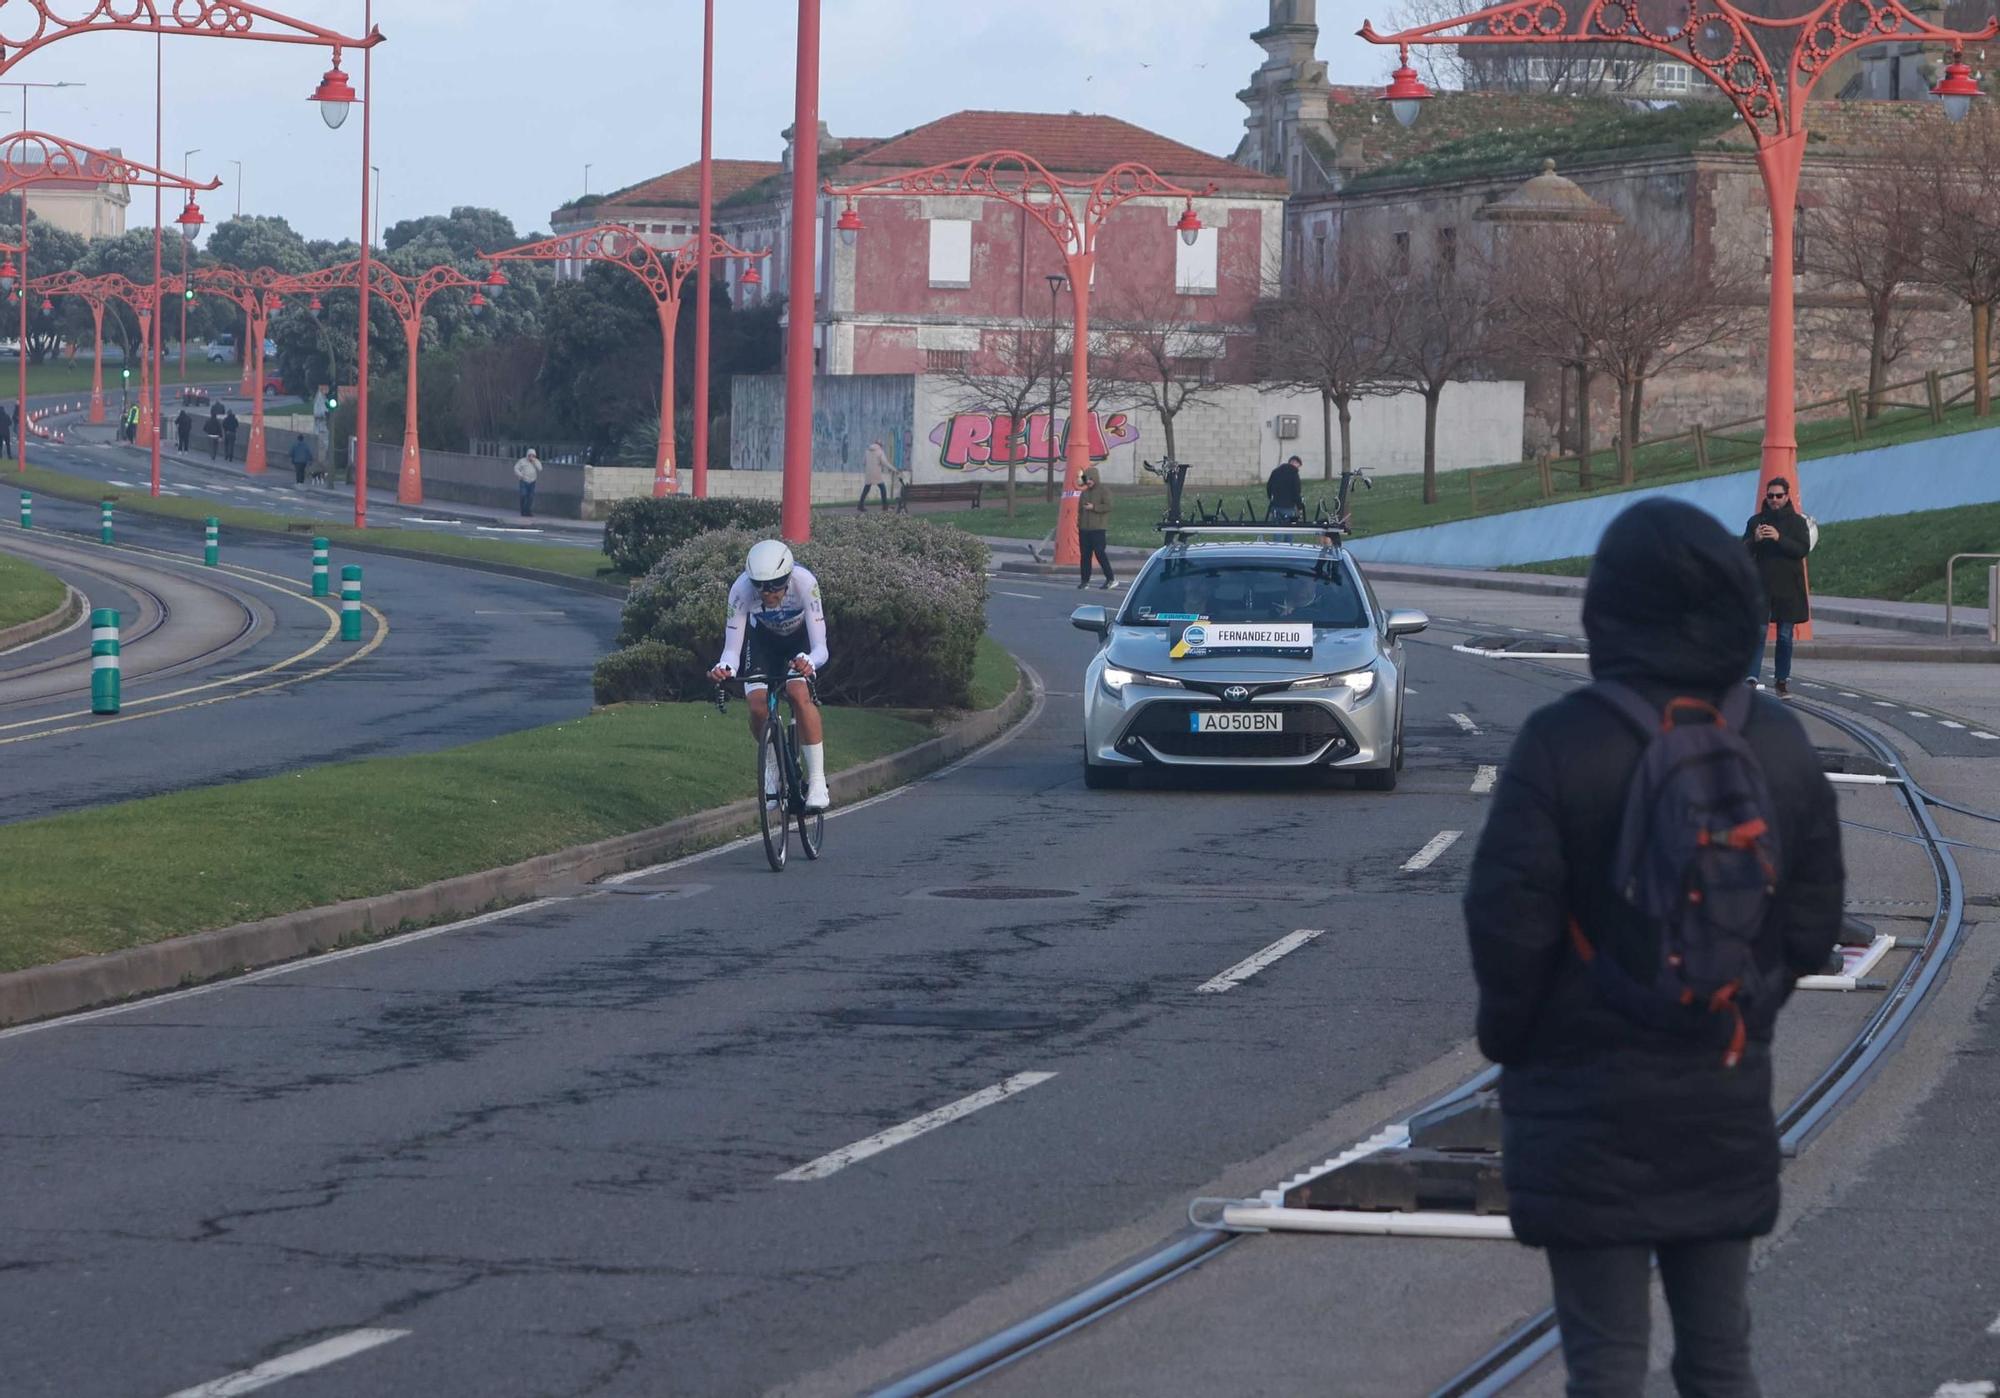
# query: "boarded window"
{"type": "Point", "coordinates": [1194, 266]}
{"type": "Point", "coordinates": [1399, 260]}
{"type": "Point", "coordinates": [951, 252]}
{"type": "Point", "coordinates": [942, 361]}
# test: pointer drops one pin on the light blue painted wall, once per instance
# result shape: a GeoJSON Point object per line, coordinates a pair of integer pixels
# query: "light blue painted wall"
{"type": "Point", "coordinates": [1930, 475]}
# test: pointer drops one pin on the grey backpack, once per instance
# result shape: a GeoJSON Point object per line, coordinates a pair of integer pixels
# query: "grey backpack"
{"type": "Point", "coordinates": [1697, 859]}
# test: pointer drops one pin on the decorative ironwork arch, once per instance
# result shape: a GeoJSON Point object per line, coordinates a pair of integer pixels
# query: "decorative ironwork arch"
{"type": "Point", "coordinates": [29, 25]}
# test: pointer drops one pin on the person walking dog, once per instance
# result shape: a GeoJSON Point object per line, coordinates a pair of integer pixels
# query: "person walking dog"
{"type": "Point", "coordinates": [1632, 1021]}
{"type": "Point", "coordinates": [527, 471]}
{"type": "Point", "coordinates": [1780, 538]}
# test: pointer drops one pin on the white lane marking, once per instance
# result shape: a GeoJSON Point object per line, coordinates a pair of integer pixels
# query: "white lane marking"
{"type": "Point", "coordinates": [1250, 966]}
{"type": "Point", "coordinates": [1882, 703]}
{"type": "Point", "coordinates": [1427, 856]}
{"type": "Point", "coordinates": [1949, 724]}
{"type": "Point", "coordinates": [1916, 713]}
{"type": "Point", "coordinates": [1988, 737]}
{"type": "Point", "coordinates": [1483, 779]}
{"type": "Point", "coordinates": [1994, 1328]}
{"type": "Point", "coordinates": [291, 1365]}
{"type": "Point", "coordinates": [838, 1160]}
{"type": "Point", "coordinates": [1466, 723]}
{"type": "Point", "coordinates": [1978, 1388]}
{"type": "Point", "coordinates": [1024, 596]}
{"type": "Point", "coordinates": [1409, 689]}
{"type": "Point", "coordinates": [508, 611]}
{"type": "Point", "coordinates": [1849, 694]}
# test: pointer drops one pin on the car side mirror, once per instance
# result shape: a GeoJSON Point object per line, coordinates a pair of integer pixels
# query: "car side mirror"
{"type": "Point", "coordinates": [1091, 619]}
{"type": "Point", "coordinates": [1405, 621]}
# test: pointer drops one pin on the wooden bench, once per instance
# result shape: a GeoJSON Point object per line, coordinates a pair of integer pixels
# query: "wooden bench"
{"type": "Point", "coordinates": [949, 490]}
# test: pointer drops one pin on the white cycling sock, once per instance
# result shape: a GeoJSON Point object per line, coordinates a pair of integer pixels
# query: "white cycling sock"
{"type": "Point", "coordinates": [815, 759]}
{"type": "Point", "coordinates": [770, 772]}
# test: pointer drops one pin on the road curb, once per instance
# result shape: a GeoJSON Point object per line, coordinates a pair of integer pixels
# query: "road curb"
{"type": "Point", "coordinates": [29, 632]}
{"type": "Point", "coordinates": [44, 992]}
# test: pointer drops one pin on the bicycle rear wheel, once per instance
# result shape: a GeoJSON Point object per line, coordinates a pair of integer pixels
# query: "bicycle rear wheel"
{"type": "Point", "coordinates": [773, 815]}
{"type": "Point", "coordinates": [812, 824]}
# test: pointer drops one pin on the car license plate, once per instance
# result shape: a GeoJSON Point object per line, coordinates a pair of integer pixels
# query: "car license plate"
{"type": "Point", "coordinates": [1237, 721]}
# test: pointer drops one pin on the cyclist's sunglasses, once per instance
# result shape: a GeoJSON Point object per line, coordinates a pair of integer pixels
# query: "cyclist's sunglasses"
{"type": "Point", "coordinates": [775, 584]}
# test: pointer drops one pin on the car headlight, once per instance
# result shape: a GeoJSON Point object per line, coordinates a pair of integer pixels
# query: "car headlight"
{"type": "Point", "coordinates": [1115, 679]}
{"type": "Point", "coordinates": [1358, 683]}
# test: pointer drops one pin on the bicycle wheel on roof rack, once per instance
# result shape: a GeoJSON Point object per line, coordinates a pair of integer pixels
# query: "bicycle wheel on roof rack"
{"type": "Point", "coordinates": [773, 813]}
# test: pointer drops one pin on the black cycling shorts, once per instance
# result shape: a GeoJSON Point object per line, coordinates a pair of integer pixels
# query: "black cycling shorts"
{"type": "Point", "coordinates": [767, 656]}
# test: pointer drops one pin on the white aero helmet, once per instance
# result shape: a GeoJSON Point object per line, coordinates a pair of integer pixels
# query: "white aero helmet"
{"type": "Point", "coordinates": [769, 561]}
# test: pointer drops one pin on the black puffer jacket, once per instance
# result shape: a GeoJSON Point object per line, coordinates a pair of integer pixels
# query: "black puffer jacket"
{"type": "Point", "coordinates": [1614, 1133]}
{"type": "Point", "coordinates": [1781, 562]}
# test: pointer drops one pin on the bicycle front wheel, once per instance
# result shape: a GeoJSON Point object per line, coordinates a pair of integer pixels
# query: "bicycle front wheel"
{"type": "Point", "coordinates": [773, 814]}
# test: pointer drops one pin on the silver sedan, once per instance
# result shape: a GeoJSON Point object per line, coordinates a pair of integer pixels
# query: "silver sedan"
{"type": "Point", "coordinates": [1246, 655]}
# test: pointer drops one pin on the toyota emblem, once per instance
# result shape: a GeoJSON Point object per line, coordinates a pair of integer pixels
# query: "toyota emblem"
{"type": "Point", "coordinates": [1236, 694]}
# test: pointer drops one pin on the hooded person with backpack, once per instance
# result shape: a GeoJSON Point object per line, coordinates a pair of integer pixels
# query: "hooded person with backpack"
{"type": "Point", "coordinates": [1661, 863]}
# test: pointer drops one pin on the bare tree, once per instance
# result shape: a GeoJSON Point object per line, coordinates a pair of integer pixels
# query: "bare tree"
{"type": "Point", "coordinates": [1961, 168]}
{"type": "Point", "coordinates": [1329, 335]}
{"type": "Point", "coordinates": [1542, 312]}
{"type": "Point", "coordinates": [1162, 358]}
{"type": "Point", "coordinates": [1869, 235]}
{"type": "Point", "coordinates": [1438, 329]}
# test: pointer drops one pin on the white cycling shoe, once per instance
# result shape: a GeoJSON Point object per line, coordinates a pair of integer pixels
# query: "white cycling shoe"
{"type": "Point", "coordinates": [770, 779]}
{"type": "Point", "coordinates": [817, 798]}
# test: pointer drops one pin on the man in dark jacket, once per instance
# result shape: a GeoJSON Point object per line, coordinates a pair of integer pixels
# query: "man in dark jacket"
{"type": "Point", "coordinates": [1284, 494]}
{"type": "Point", "coordinates": [1622, 1142]}
{"type": "Point", "coordinates": [1779, 541]}
{"type": "Point", "coordinates": [183, 428]}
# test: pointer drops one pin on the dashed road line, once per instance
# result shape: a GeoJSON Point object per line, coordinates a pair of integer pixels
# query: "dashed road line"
{"type": "Point", "coordinates": [1427, 856]}
{"type": "Point", "coordinates": [1849, 694]}
{"type": "Point", "coordinates": [836, 1161]}
{"type": "Point", "coordinates": [1465, 722]}
{"type": "Point", "coordinates": [1882, 703]}
{"type": "Point", "coordinates": [1250, 966]}
{"type": "Point", "coordinates": [1978, 1388]}
{"type": "Point", "coordinates": [1916, 713]}
{"type": "Point", "coordinates": [1994, 1328]}
{"type": "Point", "coordinates": [291, 1365]}
{"type": "Point", "coordinates": [1949, 724]}
{"type": "Point", "coordinates": [1483, 779]}
{"type": "Point", "coordinates": [1984, 736]}
{"type": "Point", "coordinates": [1024, 596]}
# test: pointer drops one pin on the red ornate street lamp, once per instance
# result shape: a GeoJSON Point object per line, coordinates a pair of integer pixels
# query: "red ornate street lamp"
{"type": "Point", "coordinates": [257, 294]}
{"type": "Point", "coordinates": [1022, 181]}
{"type": "Point", "coordinates": [663, 277]}
{"type": "Point", "coordinates": [91, 291]}
{"type": "Point", "coordinates": [1725, 44]}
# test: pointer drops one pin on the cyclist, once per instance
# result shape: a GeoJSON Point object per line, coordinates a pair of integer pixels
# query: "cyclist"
{"type": "Point", "coordinates": [777, 603]}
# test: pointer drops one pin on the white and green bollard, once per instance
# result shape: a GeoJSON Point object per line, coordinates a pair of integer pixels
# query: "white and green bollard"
{"type": "Point", "coordinates": [104, 663]}
{"type": "Point", "coordinates": [320, 579]}
{"type": "Point", "coordinates": [350, 602]}
{"type": "Point", "coordinates": [104, 522]}
{"type": "Point", "coordinates": [27, 510]}
{"type": "Point", "coordinates": [211, 543]}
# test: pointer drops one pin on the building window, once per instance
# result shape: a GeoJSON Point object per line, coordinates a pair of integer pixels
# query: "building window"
{"type": "Point", "coordinates": [1447, 248]}
{"type": "Point", "coordinates": [1399, 259]}
{"type": "Point", "coordinates": [1200, 370]}
{"type": "Point", "coordinates": [940, 361]}
{"type": "Point", "coordinates": [1194, 266]}
{"type": "Point", "coordinates": [1672, 77]}
{"type": "Point", "coordinates": [951, 252]}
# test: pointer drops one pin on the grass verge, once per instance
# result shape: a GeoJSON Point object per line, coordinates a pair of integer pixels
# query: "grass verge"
{"type": "Point", "coordinates": [548, 558]}
{"type": "Point", "coordinates": [1894, 558]}
{"type": "Point", "coordinates": [993, 674]}
{"type": "Point", "coordinates": [73, 375]}
{"type": "Point", "coordinates": [26, 592]}
{"type": "Point", "coordinates": [171, 865]}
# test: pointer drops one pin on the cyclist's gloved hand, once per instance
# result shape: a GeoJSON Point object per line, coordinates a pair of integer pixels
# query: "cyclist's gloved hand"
{"type": "Point", "coordinates": [802, 666]}
{"type": "Point", "coordinates": [720, 672]}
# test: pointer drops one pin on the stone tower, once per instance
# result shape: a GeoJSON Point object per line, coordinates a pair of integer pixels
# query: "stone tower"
{"type": "Point", "coordinates": [1287, 96]}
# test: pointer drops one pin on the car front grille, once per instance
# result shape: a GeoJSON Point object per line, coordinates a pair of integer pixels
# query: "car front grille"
{"type": "Point", "coordinates": [1163, 725]}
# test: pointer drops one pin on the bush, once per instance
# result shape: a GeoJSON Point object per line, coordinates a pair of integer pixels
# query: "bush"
{"type": "Point", "coordinates": [638, 533]}
{"type": "Point", "coordinates": [905, 607]}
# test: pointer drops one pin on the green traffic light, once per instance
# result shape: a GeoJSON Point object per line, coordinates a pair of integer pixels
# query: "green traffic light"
{"type": "Point", "coordinates": [125, 373]}
{"type": "Point", "coordinates": [332, 403]}
{"type": "Point", "coordinates": [188, 294]}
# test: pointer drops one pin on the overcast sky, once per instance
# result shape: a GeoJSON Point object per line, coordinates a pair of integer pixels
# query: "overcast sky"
{"type": "Point", "coordinates": [502, 102]}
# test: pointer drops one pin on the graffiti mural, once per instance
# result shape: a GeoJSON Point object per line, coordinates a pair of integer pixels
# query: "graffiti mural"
{"type": "Point", "coordinates": [994, 441]}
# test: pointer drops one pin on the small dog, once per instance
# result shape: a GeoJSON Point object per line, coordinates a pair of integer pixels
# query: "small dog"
{"type": "Point", "coordinates": [318, 473]}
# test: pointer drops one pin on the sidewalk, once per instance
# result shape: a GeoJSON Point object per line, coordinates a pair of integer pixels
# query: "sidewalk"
{"type": "Point", "coordinates": [1912, 631]}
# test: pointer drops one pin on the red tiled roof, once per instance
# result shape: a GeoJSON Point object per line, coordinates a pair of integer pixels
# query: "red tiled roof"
{"type": "Point", "coordinates": [1073, 145]}
{"type": "Point", "coordinates": [682, 187]}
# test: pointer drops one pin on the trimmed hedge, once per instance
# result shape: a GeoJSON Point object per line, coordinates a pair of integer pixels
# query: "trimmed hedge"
{"type": "Point", "coordinates": [639, 533]}
{"type": "Point", "coordinates": [905, 608]}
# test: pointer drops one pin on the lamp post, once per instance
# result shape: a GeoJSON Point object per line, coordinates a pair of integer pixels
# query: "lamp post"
{"type": "Point", "coordinates": [801, 308]}
{"type": "Point", "coordinates": [620, 246]}
{"type": "Point", "coordinates": [703, 233]}
{"type": "Point", "coordinates": [21, 420]}
{"type": "Point", "coordinates": [190, 230]}
{"type": "Point", "coordinates": [1057, 281]}
{"type": "Point", "coordinates": [1725, 44]}
{"type": "Point", "coordinates": [1051, 201]}
{"type": "Point", "coordinates": [91, 291]}
{"type": "Point", "coordinates": [257, 294]}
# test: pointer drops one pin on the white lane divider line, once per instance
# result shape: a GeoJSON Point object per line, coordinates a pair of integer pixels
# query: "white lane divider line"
{"type": "Point", "coordinates": [1985, 736]}
{"type": "Point", "coordinates": [291, 1365]}
{"type": "Point", "coordinates": [1250, 966]}
{"type": "Point", "coordinates": [1409, 689]}
{"type": "Point", "coordinates": [1916, 713]}
{"type": "Point", "coordinates": [1849, 694]}
{"type": "Point", "coordinates": [1483, 779]}
{"type": "Point", "coordinates": [839, 1160]}
{"type": "Point", "coordinates": [1024, 596]}
{"type": "Point", "coordinates": [1947, 723]}
{"type": "Point", "coordinates": [1882, 703]}
{"type": "Point", "coordinates": [1466, 723]}
{"type": "Point", "coordinates": [1994, 1328]}
{"type": "Point", "coordinates": [1978, 1388]}
{"type": "Point", "coordinates": [1427, 856]}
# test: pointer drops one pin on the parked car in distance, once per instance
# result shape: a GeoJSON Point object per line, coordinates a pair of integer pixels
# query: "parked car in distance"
{"type": "Point", "coordinates": [222, 349]}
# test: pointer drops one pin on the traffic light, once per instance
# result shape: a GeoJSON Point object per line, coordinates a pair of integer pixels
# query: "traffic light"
{"type": "Point", "coordinates": [332, 401]}
{"type": "Point", "coordinates": [188, 295]}
{"type": "Point", "coordinates": [125, 373]}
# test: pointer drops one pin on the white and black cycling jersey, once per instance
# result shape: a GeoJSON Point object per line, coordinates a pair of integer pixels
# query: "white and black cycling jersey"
{"type": "Point", "coordinates": [797, 616]}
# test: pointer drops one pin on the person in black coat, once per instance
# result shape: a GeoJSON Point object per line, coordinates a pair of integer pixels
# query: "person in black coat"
{"type": "Point", "coordinates": [1779, 541]}
{"type": "Point", "coordinates": [1284, 494]}
{"type": "Point", "coordinates": [1623, 1142]}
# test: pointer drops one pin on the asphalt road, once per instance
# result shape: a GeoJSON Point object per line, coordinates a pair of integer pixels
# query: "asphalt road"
{"type": "Point", "coordinates": [663, 1137]}
{"type": "Point", "coordinates": [234, 672]}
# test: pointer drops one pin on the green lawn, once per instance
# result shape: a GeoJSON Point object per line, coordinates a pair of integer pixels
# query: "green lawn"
{"type": "Point", "coordinates": [73, 375]}
{"type": "Point", "coordinates": [176, 864]}
{"type": "Point", "coordinates": [26, 592]}
{"type": "Point", "coordinates": [993, 674]}
{"type": "Point", "coordinates": [1896, 558]}
{"type": "Point", "coordinates": [549, 558]}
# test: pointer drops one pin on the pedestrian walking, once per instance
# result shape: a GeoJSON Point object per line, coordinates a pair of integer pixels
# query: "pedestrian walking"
{"type": "Point", "coordinates": [230, 426]}
{"type": "Point", "coordinates": [1636, 1124]}
{"type": "Point", "coordinates": [6, 431]}
{"type": "Point", "coordinates": [527, 471]}
{"type": "Point", "coordinates": [1284, 493]}
{"type": "Point", "coordinates": [183, 428]}
{"type": "Point", "coordinates": [1780, 538]}
{"type": "Point", "coordinates": [875, 476]}
{"type": "Point", "coordinates": [212, 429]}
{"type": "Point", "coordinates": [301, 458]}
{"type": "Point", "coordinates": [1093, 516]}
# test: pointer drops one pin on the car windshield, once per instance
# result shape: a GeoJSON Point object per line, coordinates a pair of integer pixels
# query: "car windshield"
{"type": "Point", "coordinates": [1246, 590]}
